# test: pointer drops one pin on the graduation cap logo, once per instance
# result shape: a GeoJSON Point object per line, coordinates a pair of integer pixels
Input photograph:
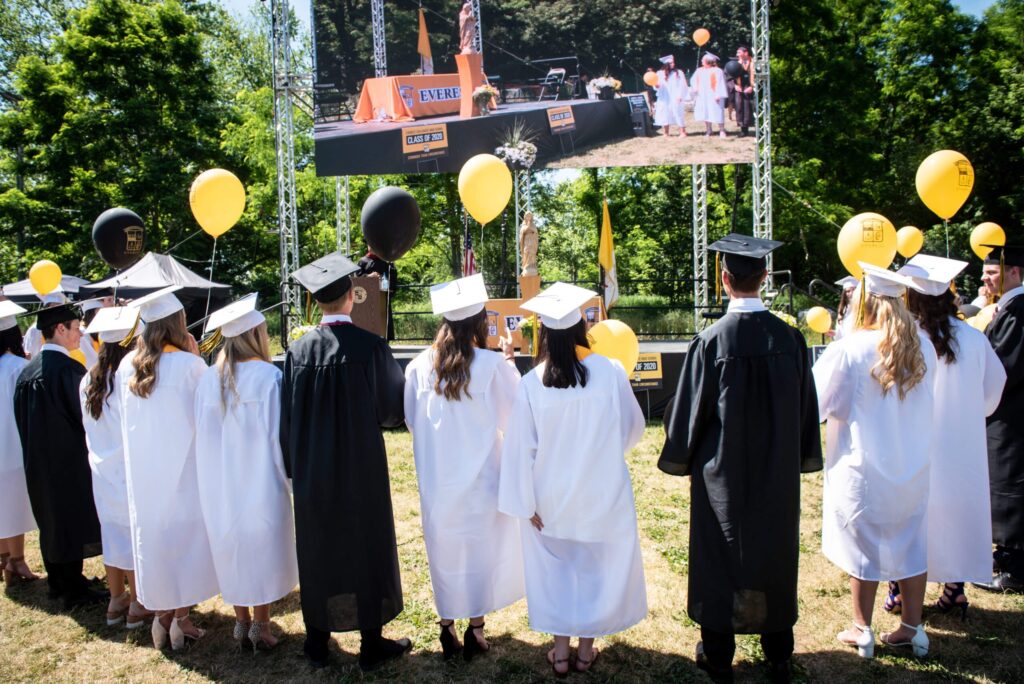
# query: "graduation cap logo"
{"type": "Point", "coordinates": [965, 174]}
{"type": "Point", "coordinates": [133, 239]}
{"type": "Point", "coordinates": [873, 230]}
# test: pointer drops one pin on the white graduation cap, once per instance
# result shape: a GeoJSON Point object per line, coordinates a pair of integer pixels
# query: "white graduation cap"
{"type": "Point", "coordinates": [8, 312]}
{"type": "Point", "coordinates": [159, 304]}
{"type": "Point", "coordinates": [90, 304]}
{"type": "Point", "coordinates": [932, 274]}
{"type": "Point", "coordinates": [116, 324]}
{"type": "Point", "coordinates": [236, 318]}
{"type": "Point", "coordinates": [883, 282]}
{"type": "Point", "coordinates": [459, 299]}
{"type": "Point", "coordinates": [709, 57]}
{"type": "Point", "coordinates": [55, 297]}
{"type": "Point", "coordinates": [667, 59]}
{"type": "Point", "coordinates": [559, 305]}
{"type": "Point", "coordinates": [848, 283]}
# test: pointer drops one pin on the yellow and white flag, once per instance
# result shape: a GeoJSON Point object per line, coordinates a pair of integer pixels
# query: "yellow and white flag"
{"type": "Point", "coordinates": [606, 258]}
{"type": "Point", "coordinates": [426, 59]}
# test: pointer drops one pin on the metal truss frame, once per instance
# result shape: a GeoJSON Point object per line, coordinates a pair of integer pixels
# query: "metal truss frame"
{"type": "Point", "coordinates": [380, 49]}
{"type": "Point", "coordinates": [478, 39]}
{"type": "Point", "coordinates": [701, 291]}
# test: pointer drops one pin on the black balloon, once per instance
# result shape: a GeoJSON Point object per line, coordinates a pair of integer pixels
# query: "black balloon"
{"type": "Point", "coordinates": [119, 237]}
{"type": "Point", "coordinates": [733, 69]}
{"type": "Point", "coordinates": [391, 222]}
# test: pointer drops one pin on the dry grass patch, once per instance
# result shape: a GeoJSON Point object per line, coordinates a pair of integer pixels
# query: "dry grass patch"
{"type": "Point", "coordinates": [38, 642]}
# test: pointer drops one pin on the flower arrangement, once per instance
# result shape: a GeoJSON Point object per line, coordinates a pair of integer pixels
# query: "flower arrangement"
{"type": "Point", "coordinates": [526, 327]}
{"type": "Point", "coordinates": [607, 81]}
{"type": "Point", "coordinates": [516, 149]}
{"type": "Point", "coordinates": [788, 318]}
{"type": "Point", "coordinates": [298, 331]}
{"type": "Point", "coordinates": [483, 96]}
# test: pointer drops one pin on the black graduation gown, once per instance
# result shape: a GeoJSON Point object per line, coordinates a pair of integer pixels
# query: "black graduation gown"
{"type": "Point", "coordinates": [341, 385]}
{"type": "Point", "coordinates": [744, 424]}
{"type": "Point", "coordinates": [49, 418]}
{"type": "Point", "coordinates": [1006, 428]}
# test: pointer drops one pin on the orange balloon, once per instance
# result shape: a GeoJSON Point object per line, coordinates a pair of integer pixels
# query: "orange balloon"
{"type": "Point", "coordinates": [651, 79]}
{"type": "Point", "coordinates": [701, 36]}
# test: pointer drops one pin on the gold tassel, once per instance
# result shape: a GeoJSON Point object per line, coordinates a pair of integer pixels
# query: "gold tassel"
{"type": "Point", "coordinates": [860, 306]}
{"type": "Point", "coordinates": [1002, 271]}
{"type": "Point", "coordinates": [718, 277]}
{"type": "Point", "coordinates": [131, 334]}
{"type": "Point", "coordinates": [536, 335]}
{"type": "Point", "coordinates": [210, 343]}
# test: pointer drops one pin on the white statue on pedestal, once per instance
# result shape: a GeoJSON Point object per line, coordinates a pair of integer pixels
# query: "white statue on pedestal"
{"type": "Point", "coordinates": [528, 241]}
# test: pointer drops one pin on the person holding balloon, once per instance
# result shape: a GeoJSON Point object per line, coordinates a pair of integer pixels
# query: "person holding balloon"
{"type": "Point", "coordinates": [875, 390]}
{"type": "Point", "coordinates": [564, 476]}
{"type": "Point", "coordinates": [458, 397]}
{"type": "Point", "coordinates": [969, 380]}
{"type": "Point", "coordinates": [672, 90]}
{"type": "Point", "coordinates": [744, 452]}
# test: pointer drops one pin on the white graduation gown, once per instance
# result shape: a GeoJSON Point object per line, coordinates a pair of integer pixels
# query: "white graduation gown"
{"type": "Point", "coordinates": [32, 343]}
{"type": "Point", "coordinates": [671, 92]}
{"type": "Point", "coordinates": [15, 510]}
{"type": "Point", "coordinates": [91, 354]}
{"type": "Point", "coordinates": [877, 453]}
{"type": "Point", "coordinates": [709, 91]}
{"type": "Point", "coordinates": [109, 487]}
{"type": "Point", "coordinates": [173, 564]}
{"type": "Point", "coordinates": [475, 554]}
{"type": "Point", "coordinates": [959, 504]}
{"type": "Point", "coordinates": [563, 459]}
{"type": "Point", "coordinates": [243, 488]}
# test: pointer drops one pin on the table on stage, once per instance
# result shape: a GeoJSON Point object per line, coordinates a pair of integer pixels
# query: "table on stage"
{"type": "Point", "coordinates": [407, 98]}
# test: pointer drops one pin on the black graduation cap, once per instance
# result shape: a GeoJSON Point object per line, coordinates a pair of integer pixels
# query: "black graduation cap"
{"type": "Point", "coordinates": [744, 255]}
{"type": "Point", "coordinates": [52, 315]}
{"type": "Point", "coordinates": [327, 278]}
{"type": "Point", "coordinates": [1005, 255]}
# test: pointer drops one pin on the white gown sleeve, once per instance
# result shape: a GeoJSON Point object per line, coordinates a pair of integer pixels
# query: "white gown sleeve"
{"type": "Point", "coordinates": [410, 395]}
{"type": "Point", "coordinates": [515, 485]}
{"type": "Point", "coordinates": [835, 384]}
{"type": "Point", "coordinates": [632, 415]}
{"type": "Point", "coordinates": [503, 392]}
{"type": "Point", "coordinates": [993, 380]}
{"type": "Point", "coordinates": [272, 411]}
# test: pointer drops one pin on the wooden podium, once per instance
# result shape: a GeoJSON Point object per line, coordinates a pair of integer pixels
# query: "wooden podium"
{"type": "Point", "coordinates": [504, 314]}
{"type": "Point", "coordinates": [471, 77]}
{"type": "Point", "coordinates": [370, 311]}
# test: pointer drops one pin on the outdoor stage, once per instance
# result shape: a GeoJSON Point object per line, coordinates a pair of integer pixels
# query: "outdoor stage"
{"type": "Point", "coordinates": [347, 148]}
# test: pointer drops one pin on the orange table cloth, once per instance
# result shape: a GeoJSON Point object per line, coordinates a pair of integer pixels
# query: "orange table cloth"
{"type": "Point", "coordinates": [407, 98]}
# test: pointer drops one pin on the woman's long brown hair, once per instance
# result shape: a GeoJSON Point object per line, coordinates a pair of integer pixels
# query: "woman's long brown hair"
{"type": "Point", "coordinates": [454, 347]}
{"type": "Point", "coordinates": [935, 314]}
{"type": "Point", "coordinates": [252, 344]}
{"type": "Point", "coordinates": [102, 376]}
{"type": "Point", "coordinates": [900, 364]}
{"type": "Point", "coordinates": [562, 366]}
{"type": "Point", "coordinates": [170, 330]}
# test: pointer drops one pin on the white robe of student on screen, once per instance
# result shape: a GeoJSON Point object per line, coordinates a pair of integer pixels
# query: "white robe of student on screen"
{"type": "Point", "coordinates": [15, 510]}
{"type": "Point", "coordinates": [173, 564]}
{"type": "Point", "coordinates": [877, 455]}
{"type": "Point", "coordinates": [243, 488]}
{"type": "Point", "coordinates": [109, 486]}
{"type": "Point", "coordinates": [475, 554]}
{"type": "Point", "coordinates": [564, 459]}
{"type": "Point", "coordinates": [672, 91]}
{"type": "Point", "coordinates": [709, 93]}
{"type": "Point", "coordinates": [959, 504]}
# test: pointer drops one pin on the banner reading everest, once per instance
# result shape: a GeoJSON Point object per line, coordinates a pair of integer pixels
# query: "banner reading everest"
{"type": "Point", "coordinates": [545, 84]}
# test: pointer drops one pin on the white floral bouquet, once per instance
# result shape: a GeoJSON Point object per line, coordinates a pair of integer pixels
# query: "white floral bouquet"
{"type": "Point", "coordinates": [516, 149]}
{"type": "Point", "coordinates": [607, 81]}
{"type": "Point", "coordinates": [483, 95]}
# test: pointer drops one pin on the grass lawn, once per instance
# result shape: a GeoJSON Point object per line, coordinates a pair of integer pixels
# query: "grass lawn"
{"type": "Point", "coordinates": [39, 642]}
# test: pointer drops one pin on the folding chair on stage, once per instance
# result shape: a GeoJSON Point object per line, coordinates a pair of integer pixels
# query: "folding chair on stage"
{"type": "Point", "coordinates": [551, 86]}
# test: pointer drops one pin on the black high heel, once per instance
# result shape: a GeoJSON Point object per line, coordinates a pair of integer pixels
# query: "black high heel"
{"type": "Point", "coordinates": [470, 646]}
{"type": "Point", "coordinates": [894, 601]}
{"type": "Point", "coordinates": [947, 602]}
{"type": "Point", "coordinates": [449, 645]}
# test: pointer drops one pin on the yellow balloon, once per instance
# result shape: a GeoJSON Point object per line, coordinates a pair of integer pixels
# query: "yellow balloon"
{"type": "Point", "coordinates": [651, 79]}
{"type": "Point", "coordinates": [701, 36]}
{"type": "Point", "coordinates": [485, 186]}
{"type": "Point", "coordinates": [45, 276]}
{"type": "Point", "coordinates": [987, 233]}
{"type": "Point", "coordinates": [867, 237]}
{"type": "Point", "coordinates": [217, 199]}
{"type": "Point", "coordinates": [944, 182]}
{"type": "Point", "coordinates": [909, 241]}
{"type": "Point", "coordinates": [615, 340]}
{"type": "Point", "coordinates": [819, 319]}
{"type": "Point", "coordinates": [983, 318]}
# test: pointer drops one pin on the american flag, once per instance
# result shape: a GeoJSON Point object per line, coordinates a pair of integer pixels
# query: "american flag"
{"type": "Point", "coordinates": [468, 255]}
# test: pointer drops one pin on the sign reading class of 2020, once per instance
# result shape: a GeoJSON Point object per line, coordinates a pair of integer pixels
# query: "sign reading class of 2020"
{"type": "Point", "coordinates": [648, 373]}
{"type": "Point", "coordinates": [576, 96]}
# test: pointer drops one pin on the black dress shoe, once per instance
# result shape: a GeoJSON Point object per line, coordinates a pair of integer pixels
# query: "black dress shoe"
{"type": "Point", "coordinates": [316, 654]}
{"type": "Point", "coordinates": [382, 652]}
{"type": "Point", "coordinates": [780, 673]}
{"type": "Point", "coordinates": [86, 597]}
{"type": "Point", "coordinates": [718, 673]}
{"type": "Point", "coordinates": [1003, 582]}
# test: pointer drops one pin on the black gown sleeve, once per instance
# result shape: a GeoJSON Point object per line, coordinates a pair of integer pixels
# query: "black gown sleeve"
{"type": "Point", "coordinates": [690, 411]}
{"type": "Point", "coordinates": [810, 428]}
{"type": "Point", "coordinates": [388, 382]}
{"type": "Point", "coordinates": [284, 434]}
{"type": "Point", "coordinates": [1007, 337]}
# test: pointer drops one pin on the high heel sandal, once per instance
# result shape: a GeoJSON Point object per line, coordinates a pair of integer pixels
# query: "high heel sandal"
{"type": "Point", "coordinates": [470, 645]}
{"type": "Point", "coordinates": [137, 614]}
{"type": "Point", "coordinates": [865, 643]}
{"type": "Point", "coordinates": [587, 664]}
{"type": "Point", "coordinates": [241, 634]}
{"type": "Point", "coordinates": [951, 591]}
{"type": "Point", "coordinates": [258, 640]}
{"type": "Point", "coordinates": [918, 643]}
{"type": "Point", "coordinates": [159, 632]}
{"type": "Point", "coordinates": [180, 637]}
{"type": "Point", "coordinates": [894, 601]}
{"type": "Point", "coordinates": [117, 609]}
{"type": "Point", "coordinates": [16, 570]}
{"type": "Point", "coordinates": [555, 662]}
{"type": "Point", "coordinates": [449, 642]}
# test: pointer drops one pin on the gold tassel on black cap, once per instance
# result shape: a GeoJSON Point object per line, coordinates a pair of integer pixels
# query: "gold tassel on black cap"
{"type": "Point", "coordinates": [718, 277]}
{"type": "Point", "coordinates": [1002, 272]}
{"type": "Point", "coordinates": [210, 343]}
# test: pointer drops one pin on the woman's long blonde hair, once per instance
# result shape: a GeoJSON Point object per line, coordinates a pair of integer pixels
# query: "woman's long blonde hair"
{"type": "Point", "coordinates": [252, 344]}
{"type": "Point", "coordinates": [171, 330]}
{"type": "Point", "coordinates": [900, 361]}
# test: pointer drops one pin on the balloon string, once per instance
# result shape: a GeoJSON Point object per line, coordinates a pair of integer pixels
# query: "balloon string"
{"type": "Point", "coordinates": [184, 241]}
{"type": "Point", "coordinates": [209, 290]}
{"type": "Point", "coordinates": [945, 224]}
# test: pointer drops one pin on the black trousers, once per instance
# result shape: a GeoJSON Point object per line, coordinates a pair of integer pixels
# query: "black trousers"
{"type": "Point", "coordinates": [317, 640]}
{"type": "Point", "coordinates": [1009, 560]}
{"type": "Point", "coordinates": [65, 579]}
{"type": "Point", "coordinates": [720, 647]}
